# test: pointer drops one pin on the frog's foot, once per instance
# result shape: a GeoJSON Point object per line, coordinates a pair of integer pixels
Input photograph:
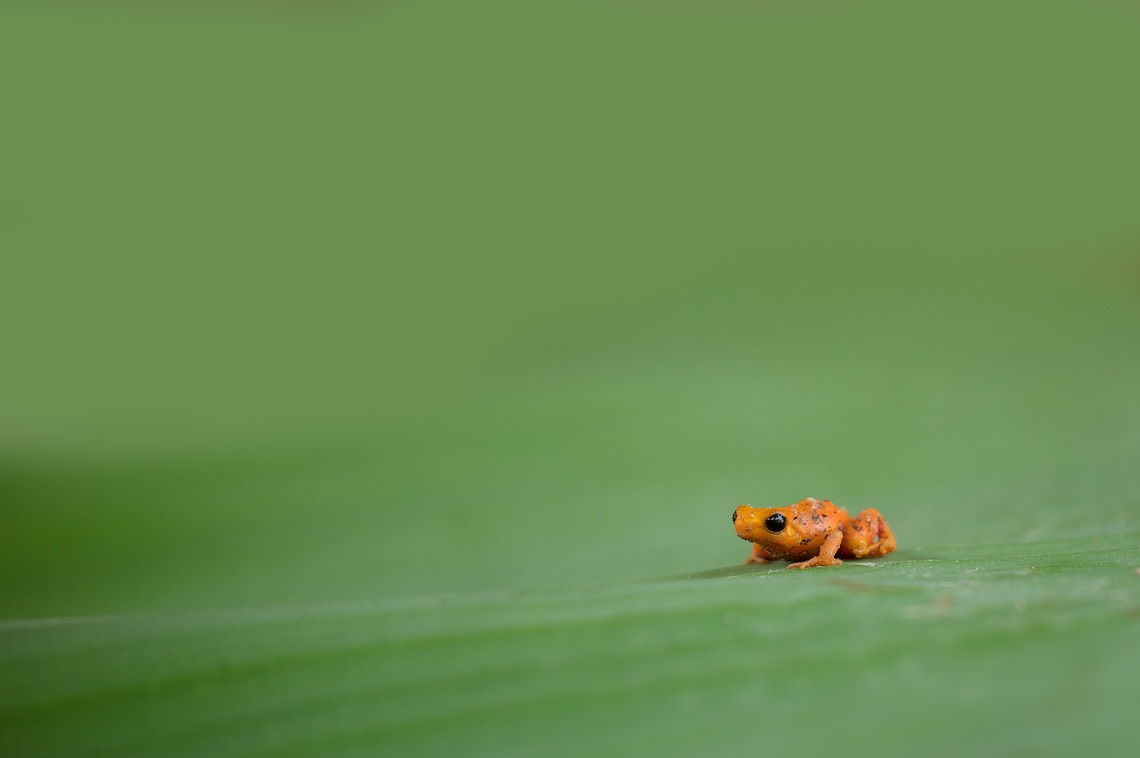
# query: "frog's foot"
{"type": "Point", "coordinates": [759, 555]}
{"type": "Point", "coordinates": [818, 560]}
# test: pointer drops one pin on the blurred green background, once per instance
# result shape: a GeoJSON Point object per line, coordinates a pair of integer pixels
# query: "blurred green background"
{"type": "Point", "coordinates": [380, 377]}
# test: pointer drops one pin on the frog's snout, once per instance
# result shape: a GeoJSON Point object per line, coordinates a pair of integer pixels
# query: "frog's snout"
{"type": "Point", "coordinates": [742, 521]}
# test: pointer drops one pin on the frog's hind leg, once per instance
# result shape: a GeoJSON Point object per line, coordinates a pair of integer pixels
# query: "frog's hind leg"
{"type": "Point", "coordinates": [869, 535]}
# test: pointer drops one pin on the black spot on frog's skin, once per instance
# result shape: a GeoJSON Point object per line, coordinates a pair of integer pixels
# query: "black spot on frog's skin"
{"type": "Point", "coordinates": [805, 540]}
{"type": "Point", "coordinates": [816, 517]}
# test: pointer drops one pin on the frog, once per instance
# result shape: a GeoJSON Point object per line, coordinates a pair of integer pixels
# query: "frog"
{"type": "Point", "coordinates": [812, 533]}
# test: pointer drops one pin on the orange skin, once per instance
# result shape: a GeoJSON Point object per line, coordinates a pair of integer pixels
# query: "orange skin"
{"type": "Point", "coordinates": [813, 533]}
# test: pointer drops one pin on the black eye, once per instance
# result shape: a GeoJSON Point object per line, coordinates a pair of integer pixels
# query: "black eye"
{"type": "Point", "coordinates": [775, 522]}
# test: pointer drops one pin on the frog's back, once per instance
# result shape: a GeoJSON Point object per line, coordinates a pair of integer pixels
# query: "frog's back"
{"type": "Point", "coordinates": [819, 516]}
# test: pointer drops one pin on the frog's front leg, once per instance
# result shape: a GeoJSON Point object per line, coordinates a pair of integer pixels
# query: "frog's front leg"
{"type": "Point", "coordinates": [827, 552]}
{"type": "Point", "coordinates": [759, 555]}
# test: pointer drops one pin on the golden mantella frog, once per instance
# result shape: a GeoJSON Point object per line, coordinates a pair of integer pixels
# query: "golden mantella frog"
{"type": "Point", "coordinates": [812, 532]}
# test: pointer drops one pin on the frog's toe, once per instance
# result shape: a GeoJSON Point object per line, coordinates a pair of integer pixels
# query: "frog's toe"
{"type": "Point", "coordinates": [816, 561]}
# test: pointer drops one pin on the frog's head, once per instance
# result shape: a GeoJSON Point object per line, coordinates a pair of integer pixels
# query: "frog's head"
{"type": "Point", "coordinates": [768, 527]}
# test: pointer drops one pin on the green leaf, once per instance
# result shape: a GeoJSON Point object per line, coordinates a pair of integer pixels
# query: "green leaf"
{"type": "Point", "coordinates": [1020, 651]}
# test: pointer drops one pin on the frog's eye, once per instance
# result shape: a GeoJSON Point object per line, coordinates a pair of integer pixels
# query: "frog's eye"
{"type": "Point", "coordinates": [775, 523]}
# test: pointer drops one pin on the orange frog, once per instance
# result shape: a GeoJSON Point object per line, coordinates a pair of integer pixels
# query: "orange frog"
{"type": "Point", "coordinates": [812, 532]}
